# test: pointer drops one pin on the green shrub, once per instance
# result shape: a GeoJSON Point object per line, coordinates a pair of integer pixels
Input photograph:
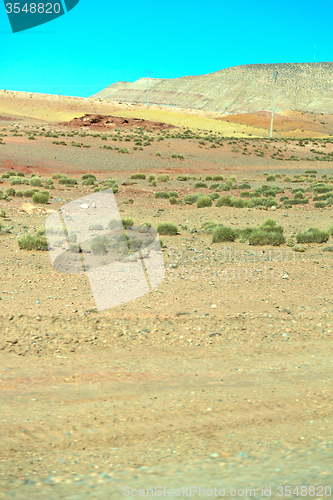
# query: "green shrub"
{"type": "Point", "coordinates": [208, 178]}
{"type": "Point", "coordinates": [174, 155]}
{"type": "Point", "coordinates": [268, 233]}
{"type": "Point", "coordinates": [256, 201]}
{"type": "Point", "coordinates": [189, 199]}
{"type": "Point", "coordinates": [270, 202]}
{"type": "Point", "coordinates": [208, 226]}
{"type": "Point", "coordinates": [125, 150]}
{"type": "Point", "coordinates": [164, 177]}
{"type": "Point", "coordinates": [84, 177]}
{"type": "Point", "coordinates": [173, 193]}
{"type": "Point", "coordinates": [36, 241]}
{"type": "Point", "coordinates": [224, 201]}
{"type": "Point", "coordinates": [10, 192]}
{"type": "Point", "coordinates": [13, 181]}
{"type": "Point", "coordinates": [167, 228]}
{"type": "Point", "coordinates": [244, 186]}
{"type": "Point", "coordinates": [218, 177]}
{"type": "Point", "coordinates": [158, 153]}
{"type": "Point", "coordinates": [213, 196]}
{"type": "Point", "coordinates": [204, 201]}
{"type": "Point", "coordinates": [200, 185]}
{"type": "Point", "coordinates": [40, 197]}
{"type": "Point", "coordinates": [88, 182]}
{"type": "Point", "coordinates": [322, 189]}
{"type": "Point", "coordinates": [223, 233]}
{"type": "Point", "coordinates": [183, 178]}
{"type": "Point", "coordinates": [144, 228]}
{"type": "Point", "coordinates": [153, 183]}
{"type": "Point", "coordinates": [115, 224]}
{"type": "Point", "coordinates": [313, 235]}
{"type": "Point", "coordinates": [270, 178]}
{"type": "Point", "coordinates": [173, 200]}
{"type": "Point", "coordinates": [138, 176]}
{"type": "Point", "coordinates": [5, 175]}
{"type": "Point", "coordinates": [181, 157]}
{"type": "Point", "coordinates": [67, 181]}
{"type": "Point", "coordinates": [320, 204]}
{"type": "Point", "coordinates": [127, 222]}
{"type": "Point", "coordinates": [99, 245]}
{"type": "Point", "coordinates": [3, 213]}
{"type": "Point", "coordinates": [151, 178]}
{"type": "Point", "coordinates": [161, 194]}
{"type": "Point", "coordinates": [245, 194]}
{"type": "Point", "coordinates": [244, 234]}
{"type": "Point", "coordinates": [239, 202]}
{"type": "Point", "coordinates": [260, 237]}
{"type": "Point", "coordinates": [36, 181]}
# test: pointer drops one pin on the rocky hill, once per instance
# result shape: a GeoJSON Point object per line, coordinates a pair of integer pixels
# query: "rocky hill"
{"type": "Point", "coordinates": [240, 89]}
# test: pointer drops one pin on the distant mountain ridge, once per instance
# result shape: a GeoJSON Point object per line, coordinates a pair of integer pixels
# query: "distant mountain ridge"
{"type": "Point", "coordinates": [239, 89]}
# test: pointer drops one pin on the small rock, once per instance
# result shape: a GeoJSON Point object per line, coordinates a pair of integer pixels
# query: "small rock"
{"type": "Point", "coordinates": [84, 205]}
{"type": "Point", "coordinates": [286, 310]}
{"type": "Point", "coordinates": [328, 249]}
{"type": "Point", "coordinates": [285, 276]}
{"type": "Point", "coordinates": [96, 227]}
{"type": "Point", "coordinates": [213, 306]}
{"type": "Point", "coordinates": [28, 208]}
{"type": "Point", "coordinates": [214, 455]}
{"type": "Point", "coordinates": [298, 248]}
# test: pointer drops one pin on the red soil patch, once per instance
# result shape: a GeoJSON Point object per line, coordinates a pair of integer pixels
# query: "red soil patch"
{"type": "Point", "coordinates": [101, 122]}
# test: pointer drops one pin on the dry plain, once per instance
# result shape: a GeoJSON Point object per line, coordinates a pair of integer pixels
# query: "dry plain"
{"type": "Point", "coordinates": [167, 390]}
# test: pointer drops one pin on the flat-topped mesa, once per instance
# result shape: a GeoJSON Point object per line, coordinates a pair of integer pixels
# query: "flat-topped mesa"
{"type": "Point", "coordinates": [109, 122]}
{"type": "Point", "coordinates": [239, 89]}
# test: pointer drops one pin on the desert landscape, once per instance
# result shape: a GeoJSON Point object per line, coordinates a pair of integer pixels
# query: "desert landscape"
{"type": "Point", "coordinates": [221, 377]}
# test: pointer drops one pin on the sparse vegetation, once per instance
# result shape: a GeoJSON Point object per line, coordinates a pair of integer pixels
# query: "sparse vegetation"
{"type": "Point", "coordinates": [42, 198]}
{"type": "Point", "coordinates": [35, 241]}
{"type": "Point", "coordinates": [167, 228]}
{"type": "Point", "coordinates": [268, 233]}
{"type": "Point", "coordinates": [138, 176]}
{"type": "Point", "coordinates": [204, 201]}
{"type": "Point", "coordinates": [36, 182]}
{"type": "Point", "coordinates": [162, 194]}
{"type": "Point", "coordinates": [223, 233]}
{"type": "Point", "coordinates": [99, 245]}
{"type": "Point", "coordinates": [312, 235]}
{"type": "Point", "coordinates": [127, 222]}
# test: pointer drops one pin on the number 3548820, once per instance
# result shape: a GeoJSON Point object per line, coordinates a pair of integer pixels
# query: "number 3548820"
{"type": "Point", "coordinates": [33, 8]}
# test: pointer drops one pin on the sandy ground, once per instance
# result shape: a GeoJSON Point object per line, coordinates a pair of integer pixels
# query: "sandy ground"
{"type": "Point", "coordinates": [165, 390]}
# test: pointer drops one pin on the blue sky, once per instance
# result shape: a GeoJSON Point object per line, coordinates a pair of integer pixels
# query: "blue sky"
{"type": "Point", "coordinates": [101, 42]}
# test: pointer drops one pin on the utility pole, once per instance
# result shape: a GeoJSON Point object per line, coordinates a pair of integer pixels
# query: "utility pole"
{"type": "Point", "coordinates": [271, 131]}
{"type": "Point", "coordinates": [147, 86]}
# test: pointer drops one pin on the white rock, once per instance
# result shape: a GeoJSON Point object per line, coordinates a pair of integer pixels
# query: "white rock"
{"type": "Point", "coordinates": [285, 276]}
{"type": "Point", "coordinates": [84, 205]}
{"type": "Point", "coordinates": [213, 306]}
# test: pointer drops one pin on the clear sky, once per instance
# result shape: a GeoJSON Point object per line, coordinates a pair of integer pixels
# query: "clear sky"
{"type": "Point", "coordinates": [101, 42]}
